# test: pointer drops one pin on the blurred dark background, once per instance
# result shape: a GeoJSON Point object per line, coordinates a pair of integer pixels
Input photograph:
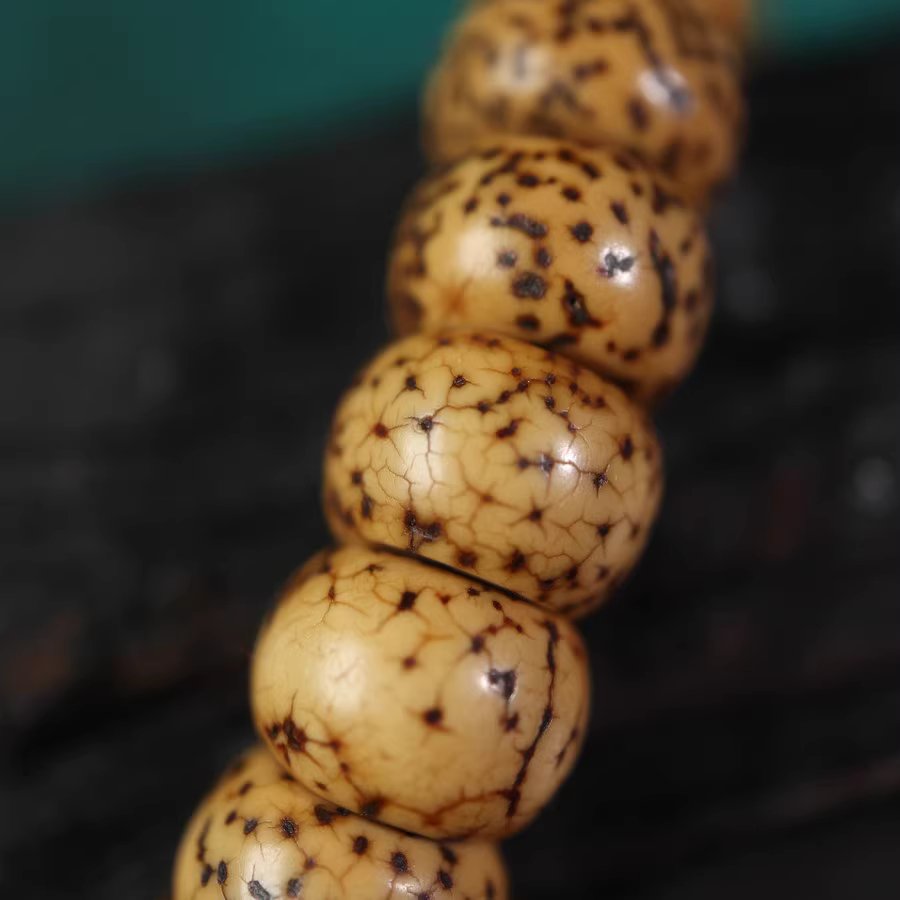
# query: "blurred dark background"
{"type": "Point", "coordinates": [172, 342]}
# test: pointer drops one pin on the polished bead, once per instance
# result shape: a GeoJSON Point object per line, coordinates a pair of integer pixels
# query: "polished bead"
{"type": "Point", "coordinates": [261, 836]}
{"type": "Point", "coordinates": [584, 251]}
{"type": "Point", "coordinates": [499, 458]}
{"type": "Point", "coordinates": [413, 694]}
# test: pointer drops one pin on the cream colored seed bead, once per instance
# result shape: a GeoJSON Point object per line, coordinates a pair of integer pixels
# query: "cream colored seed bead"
{"type": "Point", "coordinates": [585, 251]}
{"type": "Point", "coordinates": [654, 76]}
{"type": "Point", "coordinates": [498, 458]}
{"type": "Point", "coordinates": [261, 836]}
{"type": "Point", "coordinates": [419, 697]}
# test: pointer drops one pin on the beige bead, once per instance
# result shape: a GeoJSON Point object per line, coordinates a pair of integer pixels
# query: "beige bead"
{"type": "Point", "coordinates": [653, 76]}
{"type": "Point", "coordinates": [261, 836]}
{"type": "Point", "coordinates": [498, 458]}
{"type": "Point", "coordinates": [584, 251]}
{"type": "Point", "coordinates": [419, 697]}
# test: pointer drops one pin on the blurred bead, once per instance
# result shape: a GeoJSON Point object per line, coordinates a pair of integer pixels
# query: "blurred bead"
{"type": "Point", "coordinates": [650, 76]}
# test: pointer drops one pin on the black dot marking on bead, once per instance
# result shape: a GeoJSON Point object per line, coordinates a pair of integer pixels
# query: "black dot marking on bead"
{"type": "Point", "coordinates": [637, 112]}
{"type": "Point", "coordinates": [528, 323]}
{"type": "Point", "coordinates": [613, 264]}
{"type": "Point", "coordinates": [620, 211]}
{"type": "Point", "coordinates": [324, 816]}
{"type": "Point", "coordinates": [459, 381]}
{"type": "Point", "coordinates": [529, 286]}
{"type": "Point", "coordinates": [294, 887]}
{"type": "Point", "coordinates": [407, 600]}
{"type": "Point", "coordinates": [627, 447]}
{"type": "Point", "coordinates": [433, 716]}
{"type": "Point", "coordinates": [600, 479]}
{"type": "Point", "coordinates": [371, 808]}
{"type": "Point", "coordinates": [380, 430]}
{"type": "Point", "coordinates": [206, 874]}
{"type": "Point", "coordinates": [508, 430]}
{"type": "Point", "coordinates": [288, 827]}
{"type": "Point", "coordinates": [507, 259]}
{"type": "Point", "coordinates": [250, 826]}
{"type": "Point", "coordinates": [470, 205]}
{"type": "Point", "coordinates": [257, 891]}
{"type": "Point", "coordinates": [445, 879]}
{"type": "Point", "coordinates": [503, 681]}
{"type": "Point", "coordinates": [360, 845]}
{"type": "Point", "coordinates": [449, 855]}
{"type": "Point", "coordinates": [399, 862]}
{"type": "Point", "coordinates": [503, 199]}
{"type": "Point", "coordinates": [222, 872]}
{"type": "Point", "coordinates": [571, 193]}
{"type": "Point", "coordinates": [467, 559]}
{"type": "Point", "coordinates": [231, 817]}
{"type": "Point", "coordinates": [582, 231]}
{"type": "Point", "coordinates": [542, 257]}
{"type": "Point", "coordinates": [519, 222]}
{"type": "Point", "coordinates": [410, 383]}
{"type": "Point", "coordinates": [528, 180]}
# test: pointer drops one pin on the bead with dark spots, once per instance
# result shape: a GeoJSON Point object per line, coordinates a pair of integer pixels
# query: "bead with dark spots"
{"type": "Point", "coordinates": [350, 858]}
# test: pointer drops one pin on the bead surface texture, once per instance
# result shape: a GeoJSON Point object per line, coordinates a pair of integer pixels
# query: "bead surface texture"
{"type": "Point", "coordinates": [418, 696]}
{"type": "Point", "coordinates": [493, 456]}
{"type": "Point", "coordinates": [584, 251]}
{"type": "Point", "coordinates": [654, 76]}
{"type": "Point", "coordinates": [261, 836]}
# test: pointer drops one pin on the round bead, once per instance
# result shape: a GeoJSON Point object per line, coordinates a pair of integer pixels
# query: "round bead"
{"type": "Point", "coordinates": [260, 836]}
{"type": "Point", "coordinates": [584, 251]}
{"type": "Point", "coordinates": [415, 695]}
{"type": "Point", "coordinates": [653, 76]}
{"type": "Point", "coordinates": [499, 458]}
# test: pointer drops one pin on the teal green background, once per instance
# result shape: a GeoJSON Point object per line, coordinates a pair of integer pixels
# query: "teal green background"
{"type": "Point", "coordinates": [97, 89]}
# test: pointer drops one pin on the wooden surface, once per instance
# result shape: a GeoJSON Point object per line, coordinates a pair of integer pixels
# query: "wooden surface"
{"type": "Point", "coordinates": [170, 354]}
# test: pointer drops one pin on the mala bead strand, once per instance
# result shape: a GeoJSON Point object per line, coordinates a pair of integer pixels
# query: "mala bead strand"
{"type": "Point", "coordinates": [492, 474]}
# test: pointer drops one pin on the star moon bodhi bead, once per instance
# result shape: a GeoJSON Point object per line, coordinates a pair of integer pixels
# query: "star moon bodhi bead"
{"type": "Point", "coordinates": [261, 836]}
{"type": "Point", "coordinates": [655, 76]}
{"type": "Point", "coordinates": [500, 459]}
{"type": "Point", "coordinates": [584, 251]}
{"type": "Point", "coordinates": [419, 697]}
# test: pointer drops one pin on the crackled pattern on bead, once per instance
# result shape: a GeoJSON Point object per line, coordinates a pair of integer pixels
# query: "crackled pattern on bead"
{"type": "Point", "coordinates": [261, 836]}
{"type": "Point", "coordinates": [654, 76]}
{"type": "Point", "coordinates": [415, 695]}
{"type": "Point", "coordinates": [498, 458]}
{"type": "Point", "coordinates": [584, 251]}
